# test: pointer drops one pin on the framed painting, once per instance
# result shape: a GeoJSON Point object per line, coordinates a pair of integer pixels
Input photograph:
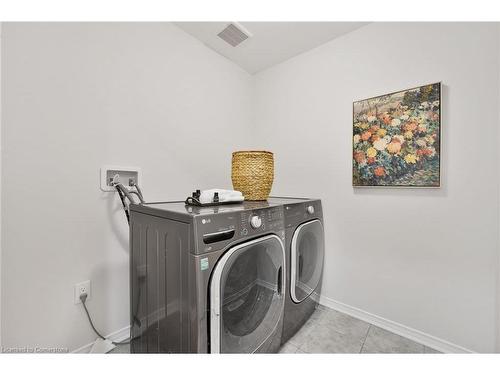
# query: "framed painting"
{"type": "Point", "coordinates": [397, 138]}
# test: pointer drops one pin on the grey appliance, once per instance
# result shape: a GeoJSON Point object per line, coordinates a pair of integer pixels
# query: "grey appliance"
{"type": "Point", "coordinates": [206, 279]}
{"type": "Point", "coordinates": [305, 249]}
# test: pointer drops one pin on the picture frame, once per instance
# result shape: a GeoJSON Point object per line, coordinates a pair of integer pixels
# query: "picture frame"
{"type": "Point", "coordinates": [396, 139]}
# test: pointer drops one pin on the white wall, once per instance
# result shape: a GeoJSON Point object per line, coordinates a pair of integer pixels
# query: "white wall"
{"type": "Point", "coordinates": [78, 96]}
{"type": "Point", "coordinates": [0, 184]}
{"type": "Point", "coordinates": [498, 213]}
{"type": "Point", "coordinates": [426, 258]}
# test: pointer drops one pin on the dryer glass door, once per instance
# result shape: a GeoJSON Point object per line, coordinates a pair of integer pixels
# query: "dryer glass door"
{"type": "Point", "coordinates": [246, 296]}
{"type": "Point", "coordinates": [306, 259]}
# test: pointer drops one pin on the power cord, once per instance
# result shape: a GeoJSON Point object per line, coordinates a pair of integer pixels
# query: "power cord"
{"type": "Point", "coordinates": [83, 298]}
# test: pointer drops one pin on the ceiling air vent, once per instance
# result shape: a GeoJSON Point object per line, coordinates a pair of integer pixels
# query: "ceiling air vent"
{"type": "Point", "coordinates": [234, 34]}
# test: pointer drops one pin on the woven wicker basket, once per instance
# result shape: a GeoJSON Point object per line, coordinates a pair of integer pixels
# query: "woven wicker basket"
{"type": "Point", "coordinates": [253, 174]}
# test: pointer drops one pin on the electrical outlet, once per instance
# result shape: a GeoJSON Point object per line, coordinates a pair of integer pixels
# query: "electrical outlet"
{"type": "Point", "coordinates": [81, 288]}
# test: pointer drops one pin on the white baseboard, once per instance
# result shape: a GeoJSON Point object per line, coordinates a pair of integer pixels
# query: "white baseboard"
{"type": "Point", "coordinates": [397, 328]}
{"type": "Point", "coordinates": [120, 335]}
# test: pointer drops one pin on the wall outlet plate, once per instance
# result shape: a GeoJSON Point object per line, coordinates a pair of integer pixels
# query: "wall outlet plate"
{"type": "Point", "coordinates": [126, 173]}
{"type": "Point", "coordinates": [80, 288]}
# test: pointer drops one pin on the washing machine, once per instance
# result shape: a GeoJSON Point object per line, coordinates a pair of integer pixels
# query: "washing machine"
{"type": "Point", "coordinates": [305, 249]}
{"type": "Point", "coordinates": [207, 279]}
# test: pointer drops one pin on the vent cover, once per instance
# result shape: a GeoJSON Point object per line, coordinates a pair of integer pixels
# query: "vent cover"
{"type": "Point", "coordinates": [234, 34]}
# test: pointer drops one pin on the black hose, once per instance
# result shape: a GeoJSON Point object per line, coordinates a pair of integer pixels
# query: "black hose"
{"type": "Point", "coordinates": [139, 191]}
{"type": "Point", "coordinates": [125, 208]}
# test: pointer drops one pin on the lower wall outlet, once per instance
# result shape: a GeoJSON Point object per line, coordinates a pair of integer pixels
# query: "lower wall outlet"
{"type": "Point", "coordinates": [81, 288]}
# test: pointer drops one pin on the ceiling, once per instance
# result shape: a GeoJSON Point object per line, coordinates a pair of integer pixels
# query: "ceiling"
{"type": "Point", "coordinates": [271, 42]}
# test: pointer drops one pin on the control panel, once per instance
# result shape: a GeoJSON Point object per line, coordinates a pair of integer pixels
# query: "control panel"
{"type": "Point", "coordinates": [255, 221]}
{"type": "Point", "coordinates": [297, 213]}
{"type": "Point", "coordinates": [215, 232]}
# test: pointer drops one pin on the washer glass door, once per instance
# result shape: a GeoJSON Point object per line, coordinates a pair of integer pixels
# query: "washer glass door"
{"type": "Point", "coordinates": [306, 259]}
{"type": "Point", "coordinates": [246, 295]}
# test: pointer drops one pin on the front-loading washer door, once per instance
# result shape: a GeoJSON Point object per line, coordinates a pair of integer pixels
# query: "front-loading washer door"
{"type": "Point", "coordinates": [247, 295]}
{"type": "Point", "coordinates": [306, 259]}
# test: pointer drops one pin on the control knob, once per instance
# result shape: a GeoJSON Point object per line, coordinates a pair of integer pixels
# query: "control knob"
{"type": "Point", "coordinates": [310, 209]}
{"type": "Point", "coordinates": [255, 221]}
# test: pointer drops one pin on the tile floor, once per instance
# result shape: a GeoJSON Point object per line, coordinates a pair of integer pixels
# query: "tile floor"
{"type": "Point", "coordinates": [330, 331]}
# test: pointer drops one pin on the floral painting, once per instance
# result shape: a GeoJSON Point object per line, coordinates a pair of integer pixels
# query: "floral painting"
{"type": "Point", "coordinates": [396, 139]}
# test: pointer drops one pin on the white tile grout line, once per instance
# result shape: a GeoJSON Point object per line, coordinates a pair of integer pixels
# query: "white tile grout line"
{"type": "Point", "coordinates": [366, 336]}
